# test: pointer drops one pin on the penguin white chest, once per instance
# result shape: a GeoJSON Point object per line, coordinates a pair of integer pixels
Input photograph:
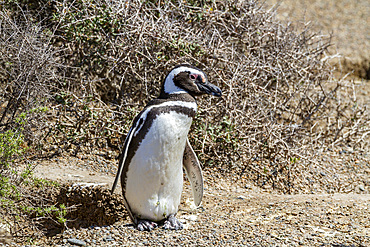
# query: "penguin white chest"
{"type": "Point", "coordinates": [154, 177]}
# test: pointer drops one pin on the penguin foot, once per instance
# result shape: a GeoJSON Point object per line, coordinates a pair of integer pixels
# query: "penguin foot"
{"type": "Point", "coordinates": [146, 225]}
{"type": "Point", "coordinates": [171, 223]}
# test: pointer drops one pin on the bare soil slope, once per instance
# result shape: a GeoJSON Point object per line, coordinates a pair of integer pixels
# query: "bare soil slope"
{"type": "Point", "coordinates": [347, 21]}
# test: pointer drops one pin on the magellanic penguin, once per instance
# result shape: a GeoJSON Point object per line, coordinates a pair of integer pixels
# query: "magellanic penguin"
{"type": "Point", "coordinates": [156, 148]}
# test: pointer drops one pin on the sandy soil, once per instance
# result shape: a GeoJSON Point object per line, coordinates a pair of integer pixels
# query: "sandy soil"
{"type": "Point", "coordinates": [232, 213]}
{"type": "Point", "coordinates": [347, 20]}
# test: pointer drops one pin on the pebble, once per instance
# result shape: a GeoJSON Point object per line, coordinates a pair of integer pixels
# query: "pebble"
{"type": "Point", "coordinates": [191, 217]}
{"type": "Point", "coordinates": [109, 238]}
{"type": "Point", "coordinates": [361, 188]}
{"type": "Point", "coordinates": [247, 186]}
{"type": "Point", "coordinates": [76, 242]}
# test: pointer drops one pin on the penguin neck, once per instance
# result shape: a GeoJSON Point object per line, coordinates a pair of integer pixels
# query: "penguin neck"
{"type": "Point", "coordinates": [177, 97]}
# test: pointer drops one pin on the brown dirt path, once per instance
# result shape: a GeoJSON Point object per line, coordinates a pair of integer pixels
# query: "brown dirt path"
{"type": "Point", "coordinates": [232, 214]}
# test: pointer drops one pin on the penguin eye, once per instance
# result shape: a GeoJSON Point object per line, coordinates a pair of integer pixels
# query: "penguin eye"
{"type": "Point", "coordinates": [193, 77]}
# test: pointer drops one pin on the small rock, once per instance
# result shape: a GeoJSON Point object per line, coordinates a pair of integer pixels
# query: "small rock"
{"type": "Point", "coordinates": [108, 238]}
{"type": "Point", "coordinates": [76, 242]}
{"type": "Point", "coordinates": [190, 217]}
{"type": "Point", "coordinates": [361, 188]}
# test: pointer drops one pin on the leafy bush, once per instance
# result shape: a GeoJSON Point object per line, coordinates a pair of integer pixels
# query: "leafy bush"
{"type": "Point", "coordinates": [10, 145]}
{"type": "Point", "coordinates": [17, 184]}
{"type": "Point", "coordinates": [10, 148]}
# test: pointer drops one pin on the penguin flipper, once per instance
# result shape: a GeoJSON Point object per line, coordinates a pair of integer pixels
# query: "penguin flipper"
{"type": "Point", "coordinates": [122, 159]}
{"type": "Point", "coordinates": [121, 165]}
{"type": "Point", "coordinates": [194, 172]}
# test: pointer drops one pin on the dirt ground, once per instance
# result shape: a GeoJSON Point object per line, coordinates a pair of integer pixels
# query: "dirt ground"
{"type": "Point", "coordinates": [233, 211]}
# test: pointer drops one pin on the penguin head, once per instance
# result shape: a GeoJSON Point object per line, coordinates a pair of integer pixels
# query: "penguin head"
{"type": "Point", "coordinates": [186, 78]}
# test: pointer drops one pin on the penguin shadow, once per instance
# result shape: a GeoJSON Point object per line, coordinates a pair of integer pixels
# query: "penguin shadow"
{"type": "Point", "coordinates": [86, 207]}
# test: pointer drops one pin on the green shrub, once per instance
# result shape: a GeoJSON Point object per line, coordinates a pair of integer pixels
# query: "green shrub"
{"type": "Point", "coordinates": [10, 146]}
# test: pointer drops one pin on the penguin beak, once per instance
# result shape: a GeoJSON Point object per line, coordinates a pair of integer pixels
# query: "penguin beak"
{"type": "Point", "coordinates": [212, 90]}
{"type": "Point", "coordinates": [209, 88]}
